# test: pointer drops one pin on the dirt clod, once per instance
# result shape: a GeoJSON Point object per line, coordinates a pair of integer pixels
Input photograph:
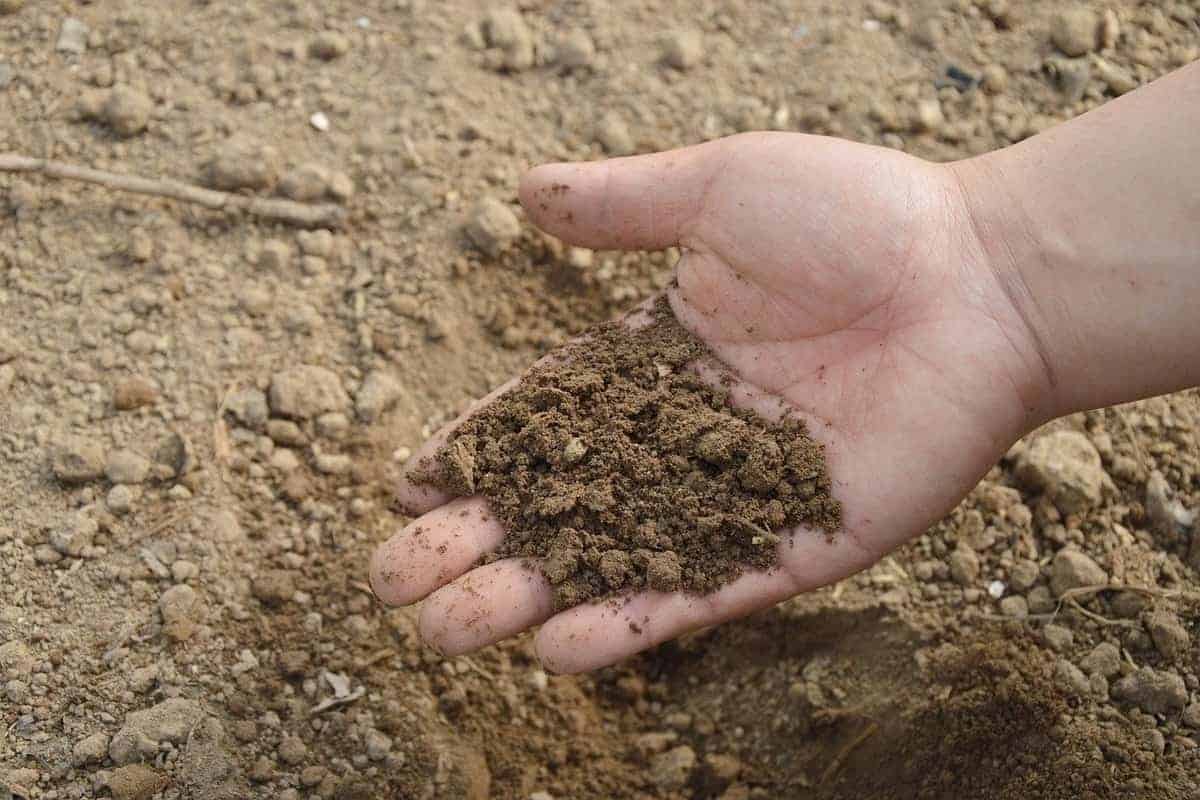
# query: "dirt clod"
{"type": "Point", "coordinates": [240, 163]}
{"type": "Point", "coordinates": [1075, 30]}
{"type": "Point", "coordinates": [127, 111]}
{"type": "Point", "coordinates": [1066, 466]}
{"type": "Point", "coordinates": [135, 782]}
{"type": "Point", "coordinates": [78, 461]}
{"type": "Point", "coordinates": [617, 468]}
{"type": "Point", "coordinates": [306, 391]}
{"type": "Point", "coordinates": [134, 392]}
{"type": "Point", "coordinates": [1152, 691]}
{"type": "Point", "coordinates": [683, 49]}
{"type": "Point", "coordinates": [492, 226]}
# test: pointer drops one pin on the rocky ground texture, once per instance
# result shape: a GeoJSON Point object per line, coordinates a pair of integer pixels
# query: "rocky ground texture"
{"type": "Point", "coordinates": [201, 414]}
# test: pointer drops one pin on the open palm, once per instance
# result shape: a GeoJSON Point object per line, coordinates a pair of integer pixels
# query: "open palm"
{"type": "Point", "coordinates": [847, 280]}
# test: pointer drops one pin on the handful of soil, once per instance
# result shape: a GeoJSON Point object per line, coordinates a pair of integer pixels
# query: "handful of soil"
{"type": "Point", "coordinates": [615, 468]}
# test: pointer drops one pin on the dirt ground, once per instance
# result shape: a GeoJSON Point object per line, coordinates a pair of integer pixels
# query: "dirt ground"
{"type": "Point", "coordinates": [184, 611]}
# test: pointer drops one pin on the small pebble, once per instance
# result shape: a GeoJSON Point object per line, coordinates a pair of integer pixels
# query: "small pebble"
{"type": "Point", "coordinates": [672, 769]}
{"type": "Point", "coordinates": [379, 392]}
{"type": "Point", "coordinates": [126, 467]}
{"type": "Point", "coordinates": [613, 135]}
{"type": "Point", "coordinates": [292, 750]}
{"type": "Point", "coordinates": [78, 461]}
{"type": "Point", "coordinates": [505, 30]}
{"type": "Point", "coordinates": [120, 499]}
{"type": "Point", "coordinates": [576, 49]}
{"type": "Point", "coordinates": [240, 163]}
{"type": "Point", "coordinates": [492, 226]}
{"type": "Point", "coordinates": [274, 587]}
{"type": "Point", "coordinates": [76, 535]}
{"type": "Point", "coordinates": [1104, 659]}
{"type": "Point", "coordinates": [964, 566]}
{"type": "Point", "coordinates": [328, 45]}
{"type": "Point", "coordinates": [1073, 569]}
{"type": "Point", "coordinates": [1014, 606]}
{"type": "Point", "coordinates": [127, 111]}
{"type": "Point", "coordinates": [928, 117]}
{"type": "Point", "coordinates": [683, 49]}
{"type": "Point", "coordinates": [1057, 637]}
{"type": "Point", "coordinates": [320, 121]}
{"type": "Point", "coordinates": [1074, 30]}
{"type": "Point", "coordinates": [90, 750]}
{"type": "Point", "coordinates": [134, 392]}
{"type": "Point", "coordinates": [306, 391]}
{"type": "Point", "coordinates": [1071, 679]}
{"type": "Point", "coordinates": [73, 36]}
{"type": "Point", "coordinates": [183, 571]}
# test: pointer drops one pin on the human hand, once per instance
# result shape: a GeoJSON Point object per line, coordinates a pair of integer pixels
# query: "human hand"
{"type": "Point", "coordinates": [847, 280]}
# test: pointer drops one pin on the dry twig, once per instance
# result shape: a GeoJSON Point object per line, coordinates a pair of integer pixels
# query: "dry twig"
{"type": "Point", "coordinates": [306, 215]}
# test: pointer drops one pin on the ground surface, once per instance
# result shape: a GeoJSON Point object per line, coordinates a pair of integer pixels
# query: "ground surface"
{"type": "Point", "coordinates": [184, 608]}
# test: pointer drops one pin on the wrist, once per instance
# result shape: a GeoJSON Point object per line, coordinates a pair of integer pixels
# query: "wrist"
{"type": "Point", "coordinates": [1015, 254]}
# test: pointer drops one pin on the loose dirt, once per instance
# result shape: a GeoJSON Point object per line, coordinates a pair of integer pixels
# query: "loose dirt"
{"type": "Point", "coordinates": [202, 399]}
{"type": "Point", "coordinates": [616, 467]}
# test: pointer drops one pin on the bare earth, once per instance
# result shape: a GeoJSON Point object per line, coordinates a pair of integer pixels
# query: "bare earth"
{"type": "Point", "coordinates": [201, 414]}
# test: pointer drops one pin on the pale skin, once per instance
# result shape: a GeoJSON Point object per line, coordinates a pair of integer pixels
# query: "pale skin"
{"type": "Point", "coordinates": [921, 317]}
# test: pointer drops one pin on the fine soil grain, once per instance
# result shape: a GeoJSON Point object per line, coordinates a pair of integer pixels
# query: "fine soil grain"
{"type": "Point", "coordinates": [615, 467]}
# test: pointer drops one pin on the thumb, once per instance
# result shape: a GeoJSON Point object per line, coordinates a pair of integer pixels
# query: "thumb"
{"type": "Point", "coordinates": [638, 203]}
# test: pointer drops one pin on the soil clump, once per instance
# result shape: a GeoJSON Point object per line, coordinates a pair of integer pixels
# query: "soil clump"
{"type": "Point", "coordinates": [617, 468]}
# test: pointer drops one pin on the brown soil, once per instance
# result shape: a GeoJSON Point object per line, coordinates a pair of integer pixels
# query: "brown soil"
{"type": "Point", "coordinates": [617, 468]}
{"type": "Point", "coordinates": [150, 331]}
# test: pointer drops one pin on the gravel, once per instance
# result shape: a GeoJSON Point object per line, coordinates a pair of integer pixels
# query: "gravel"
{"type": "Point", "coordinates": [90, 750]}
{"type": "Point", "coordinates": [248, 407]}
{"type": "Point", "coordinates": [683, 49]}
{"type": "Point", "coordinates": [274, 255]}
{"type": "Point", "coordinates": [306, 391]}
{"type": "Point", "coordinates": [240, 163]}
{"type": "Point", "coordinates": [378, 393]}
{"type": "Point", "coordinates": [274, 587]}
{"type": "Point", "coordinates": [75, 536]}
{"type": "Point", "coordinates": [613, 135]}
{"type": "Point", "coordinates": [169, 721]}
{"type": "Point", "coordinates": [1074, 569]}
{"type": "Point", "coordinates": [134, 392]}
{"type": "Point", "coordinates": [78, 461]}
{"type": "Point", "coordinates": [127, 111]}
{"type": "Point", "coordinates": [292, 750]}
{"type": "Point", "coordinates": [1058, 638]}
{"type": "Point", "coordinates": [1066, 467]}
{"type": "Point", "coordinates": [672, 769]}
{"type": "Point", "coordinates": [1075, 30]}
{"type": "Point", "coordinates": [1152, 691]}
{"type": "Point", "coordinates": [505, 30]}
{"type": "Point", "coordinates": [125, 467]}
{"type": "Point", "coordinates": [1104, 659]}
{"type": "Point", "coordinates": [492, 226]}
{"type": "Point", "coordinates": [964, 566]}
{"type": "Point", "coordinates": [178, 603]}
{"type": "Point", "coordinates": [576, 49]}
{"type": "Point", "coordinates": [328, 45]}
{"type": "Point", "coordinates": [1071, 679]}
{"type": "Point", "coordinates": [1169, 636]}
{"type": "Point", "coordinates": [73, 36]}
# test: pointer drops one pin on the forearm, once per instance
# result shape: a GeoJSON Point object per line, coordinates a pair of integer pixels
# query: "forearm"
{"type": "Point", "coordinates": [1094, 229]}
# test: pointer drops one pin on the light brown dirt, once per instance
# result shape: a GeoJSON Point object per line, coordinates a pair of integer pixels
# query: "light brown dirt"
{"type": "Point", "coordinates": [277, 675]}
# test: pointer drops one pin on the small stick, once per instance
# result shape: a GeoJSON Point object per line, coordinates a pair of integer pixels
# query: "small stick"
{"type": "Point", "coordinates": [305, 215]}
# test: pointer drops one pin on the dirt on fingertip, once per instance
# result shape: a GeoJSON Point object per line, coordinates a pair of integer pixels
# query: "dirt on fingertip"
{"type": "Point", "coordinates": [617, 468]}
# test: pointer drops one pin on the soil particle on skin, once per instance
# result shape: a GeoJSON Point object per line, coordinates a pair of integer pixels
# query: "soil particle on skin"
{"type": "Point", "coordinates": [616, 468]}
